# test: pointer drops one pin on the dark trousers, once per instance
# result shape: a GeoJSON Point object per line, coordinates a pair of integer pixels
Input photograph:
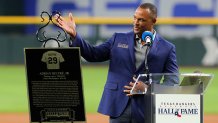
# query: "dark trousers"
{"type": "Point", "coordinates": [125, 117]}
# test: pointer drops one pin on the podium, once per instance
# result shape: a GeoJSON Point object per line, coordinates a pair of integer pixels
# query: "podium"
{"type": "Point", "coordinates": [173, 97]}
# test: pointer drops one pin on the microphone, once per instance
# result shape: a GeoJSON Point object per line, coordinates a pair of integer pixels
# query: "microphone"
{"type": "Point", "coordinates": [147, 37]}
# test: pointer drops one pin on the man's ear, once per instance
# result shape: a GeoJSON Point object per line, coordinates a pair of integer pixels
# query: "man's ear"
{"type": "Point", "coordinates": [154, 20]}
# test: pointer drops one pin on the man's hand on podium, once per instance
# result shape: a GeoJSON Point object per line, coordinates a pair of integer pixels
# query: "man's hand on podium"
{"type": "Point", "coordinates": [139, 87]}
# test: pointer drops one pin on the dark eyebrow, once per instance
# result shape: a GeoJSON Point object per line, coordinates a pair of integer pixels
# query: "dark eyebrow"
{"type": "Point", "coordinates": [141, 19]}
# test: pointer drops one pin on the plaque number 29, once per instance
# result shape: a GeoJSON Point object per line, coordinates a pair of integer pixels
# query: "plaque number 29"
{"type": "Point", "coordinates": [52, 60]}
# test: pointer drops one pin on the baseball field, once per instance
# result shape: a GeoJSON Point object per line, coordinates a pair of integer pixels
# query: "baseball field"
{"type": "Point", "coordinates": [14, 101]}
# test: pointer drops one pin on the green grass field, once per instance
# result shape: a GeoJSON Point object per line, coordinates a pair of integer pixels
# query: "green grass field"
{"type": "Point", "coordinates": [13, 88]}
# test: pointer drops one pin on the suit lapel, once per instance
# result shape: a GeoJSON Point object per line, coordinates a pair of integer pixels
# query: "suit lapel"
{"type": "Point", "coordinates": [154, 47]}
{"type": "Point", "coordinates": [130, 39]}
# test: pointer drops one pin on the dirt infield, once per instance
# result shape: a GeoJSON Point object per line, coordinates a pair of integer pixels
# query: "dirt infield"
{"type": "Point", "coordinates": [91, 118]}
{"type": "Point", "coordinates": [24, 118]}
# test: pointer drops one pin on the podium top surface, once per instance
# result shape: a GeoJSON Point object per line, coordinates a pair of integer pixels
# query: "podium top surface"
{"type": "Point", "coordinates": [177, 79]}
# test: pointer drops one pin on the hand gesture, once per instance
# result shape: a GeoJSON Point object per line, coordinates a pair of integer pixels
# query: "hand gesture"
{"type": "Point", "coordinates": [68, 25]}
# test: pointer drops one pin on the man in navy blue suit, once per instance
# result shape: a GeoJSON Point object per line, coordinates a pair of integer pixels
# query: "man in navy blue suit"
{"type": "Point", "coordinates": [126, 53]}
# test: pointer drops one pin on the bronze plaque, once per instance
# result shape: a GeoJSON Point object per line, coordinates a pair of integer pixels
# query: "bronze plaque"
{"type": "Point", "coordinates": [54, 82]}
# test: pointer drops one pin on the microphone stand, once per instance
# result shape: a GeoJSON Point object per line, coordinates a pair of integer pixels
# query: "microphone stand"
{"type": "Point", "coordinates": [148, 97]}
{"type": "Point", "coordinates": [147, 72]}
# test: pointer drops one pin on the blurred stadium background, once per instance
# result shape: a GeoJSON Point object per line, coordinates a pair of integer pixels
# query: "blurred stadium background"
{"type": "Point", "coordinates": [190, 24]}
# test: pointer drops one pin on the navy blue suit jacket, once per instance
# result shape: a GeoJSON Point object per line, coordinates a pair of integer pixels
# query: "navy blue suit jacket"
{"type": "Point", "coordinates": [119, 49]}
